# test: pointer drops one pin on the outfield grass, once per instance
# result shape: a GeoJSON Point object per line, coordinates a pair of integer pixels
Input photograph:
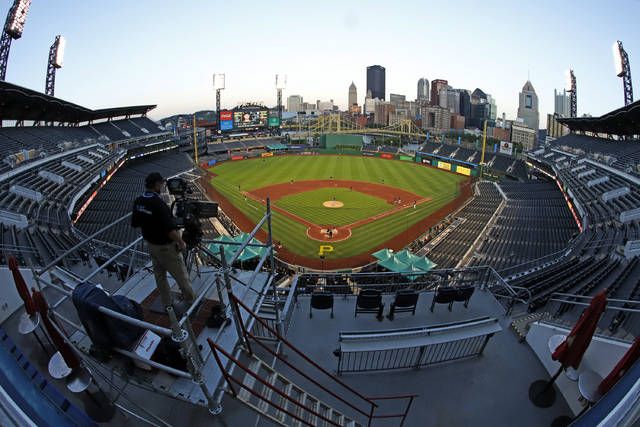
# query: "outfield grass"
{"type": "Point", "coordinates": [357, 206]}
{"type": "Point", "coordinates": [440, 186]}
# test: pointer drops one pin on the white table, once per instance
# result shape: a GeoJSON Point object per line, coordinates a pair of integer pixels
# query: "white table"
{"type": "Point", "coordinates": [554, 342]}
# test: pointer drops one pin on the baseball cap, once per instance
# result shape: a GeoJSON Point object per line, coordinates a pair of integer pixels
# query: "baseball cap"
{"type": "Point", "coordinates": [152, 178]}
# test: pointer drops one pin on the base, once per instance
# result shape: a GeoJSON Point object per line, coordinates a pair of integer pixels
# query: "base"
{"type": "Point", "coordinates": [561, 421]}
{"type": "Point", "coordinates": [78, 381]}
{"type": "Point", "coordinates": [58, 368]}
{"type": "Point", "coordinates": [542, 394]}
{"type": "Point", "coordinates": [98, 407]}
{"type": "Point", "coordinates": [28, 323]}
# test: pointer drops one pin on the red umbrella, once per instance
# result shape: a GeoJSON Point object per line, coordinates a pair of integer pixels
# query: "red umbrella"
{"type": "Point", "coordinates": [621, 368]}
{"type": "Point", "coordinates": [58, 341]}
{"type": "Point", "coordinates": [570, 352]}
{"type": "Point", "coordinates": [21, 286]}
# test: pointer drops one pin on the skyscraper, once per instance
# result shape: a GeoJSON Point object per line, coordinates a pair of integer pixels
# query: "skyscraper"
{"type": "Point", "coordinates": [528, 106]}
{"type": "Point", "coordinates": [423, 90]}
{"type": "Point", "coordinates": [561, 103]}
{"type": "Point", "coordinates": [376, 81]}
{"type": "Point", "coordinates": [353, 95]}
{"type": "Point", "coordinates": [465, 103]}
{"type": "Point", "coordinates": [436, 86]}
{"type": "Point", "coordinates": [294, 103]}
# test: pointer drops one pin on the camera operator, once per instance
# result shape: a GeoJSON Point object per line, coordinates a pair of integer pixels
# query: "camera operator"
{"type": "Point", "coordinates": [160, 231]}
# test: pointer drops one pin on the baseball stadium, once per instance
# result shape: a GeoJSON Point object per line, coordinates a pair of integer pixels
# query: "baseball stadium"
{"type": "Point", "coordinates": [397, 263]}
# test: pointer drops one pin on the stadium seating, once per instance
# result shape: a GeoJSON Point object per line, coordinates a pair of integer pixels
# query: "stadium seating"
{"type": "Point", "coordinates": [116, 197]}
{"type": "Point", "coordinates": [476, 214]}
{"type": "Point", "coordinates": [623, 155]}
{"type": "Point", "coordinates": [498, 163]}
{"type": "Point", "coordinates": [535, 222]}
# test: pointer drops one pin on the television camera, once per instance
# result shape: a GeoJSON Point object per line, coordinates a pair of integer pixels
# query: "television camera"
{"type": "Point", "coordinates": [189, 211]}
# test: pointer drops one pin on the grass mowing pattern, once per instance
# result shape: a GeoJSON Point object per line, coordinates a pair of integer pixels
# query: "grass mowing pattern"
{"type": "Point", "coordinates": [357, 206]}
{"type": "Point", "coordinates": [247, 175]}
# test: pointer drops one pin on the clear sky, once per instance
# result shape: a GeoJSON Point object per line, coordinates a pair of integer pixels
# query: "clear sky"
{"type": "Point", "coordinates": [164, 52]}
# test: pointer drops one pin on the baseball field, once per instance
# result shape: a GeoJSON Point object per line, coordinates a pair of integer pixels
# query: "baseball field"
{"type": "Point", "coordinates": [350, 205]}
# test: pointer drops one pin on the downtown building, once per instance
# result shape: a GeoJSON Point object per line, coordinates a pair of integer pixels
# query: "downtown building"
{"type": "Point", "coordinates": [523, 135]}
{"type": "Point", "coordinates": [353, 96]}
{"type": "Point", "coordinates": [482, 107]}
{"type": "Point", "coordinates": [376, 81]}
{"type": "Point", "coordinates": [295, 103]}
{"type": "Point", "coordinates": [435, 117]}
{"type": "Point", "coordinates": [528, 106]}
{"type": "Point", "coordinates": [561, 103]}
{"type": "Point", "coordinates": [437, 86]}
{"type": "Point", "coordinates": [423, 91]}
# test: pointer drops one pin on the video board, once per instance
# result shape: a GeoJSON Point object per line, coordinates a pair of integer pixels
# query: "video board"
{"type": "Point", "coordinates": [250, 118]}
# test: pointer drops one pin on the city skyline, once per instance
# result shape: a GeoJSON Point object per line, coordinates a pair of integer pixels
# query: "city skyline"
{"type": "Point", "coordinates": [106, 66]}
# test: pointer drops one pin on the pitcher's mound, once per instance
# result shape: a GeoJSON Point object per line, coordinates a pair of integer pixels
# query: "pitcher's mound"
{"type": "Point", "coordinates": [332, 204]}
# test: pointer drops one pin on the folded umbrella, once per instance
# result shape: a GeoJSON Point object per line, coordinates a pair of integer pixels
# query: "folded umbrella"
{"type": "Point", "coordinates": [621, 368]}
{"type": "Point", "coordinates": [21, 286]}
{"type": "Point", "coordinates": [571, 350]}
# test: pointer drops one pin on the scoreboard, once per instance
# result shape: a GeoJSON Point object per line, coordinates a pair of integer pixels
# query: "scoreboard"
{"type": "Point", "coordinates": [246, 118]}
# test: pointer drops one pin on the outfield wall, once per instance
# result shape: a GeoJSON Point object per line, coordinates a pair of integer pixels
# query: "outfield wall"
{"type": "Point", "coordinates": [334, 141]}
{"type": "Point", "coordinates": [427, 159]}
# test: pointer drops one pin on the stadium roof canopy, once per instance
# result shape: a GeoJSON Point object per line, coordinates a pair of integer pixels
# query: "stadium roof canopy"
{"type": "Point", "coordinates": [623, 121]}
{"type": "Point", "coordinates": [19, 103]}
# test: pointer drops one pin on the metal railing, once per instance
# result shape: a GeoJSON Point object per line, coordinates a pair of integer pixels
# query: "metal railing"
{"type": "Point", "coordinates": [620, 320]}
{"type": "Point", "coordinates": [262, 332]}
{"type": "Point", "coordinates": [481, 277]}
{"type": "Point", "coordinates": [416, 347]}
{"type": "Point", "coordinates": [355, 399]}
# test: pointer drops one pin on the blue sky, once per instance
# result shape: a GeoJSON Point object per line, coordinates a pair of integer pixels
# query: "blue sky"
{"type": "Point", "coordinates": [164, 52]}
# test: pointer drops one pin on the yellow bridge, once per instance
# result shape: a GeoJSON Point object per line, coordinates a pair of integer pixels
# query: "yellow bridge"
{"type": "Point", "coordinates": [337, 123]}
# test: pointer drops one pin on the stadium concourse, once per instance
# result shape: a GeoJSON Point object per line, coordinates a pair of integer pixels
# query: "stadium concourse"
{"type": "Point", "coordinates": [558, 224]}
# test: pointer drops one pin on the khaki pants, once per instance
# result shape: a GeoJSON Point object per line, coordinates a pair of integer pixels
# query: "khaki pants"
{"type": "Point", "coordinates": [168, 258]}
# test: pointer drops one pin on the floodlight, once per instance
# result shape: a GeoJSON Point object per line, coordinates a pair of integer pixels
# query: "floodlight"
{"type": "Point", "coordinates": [59, 44]}
{"type": "Point", "coordinates": [218, 81]}
{"type": "Point", "coordinates": [17, 17]}
{"type": "Point", "coordinates": [567, 79]}
{"type": "Point", "coordinates": [281, 81]}
{"type": "Point", "coordinates": [617, 59]}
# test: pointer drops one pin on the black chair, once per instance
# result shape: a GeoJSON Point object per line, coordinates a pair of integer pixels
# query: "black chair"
{"type": "Point", "coordinates": [321, 301]}
{"type": "Point", "coordinates": [370, 301]}
{"type": "Point", "coordinates": [444, 295]}
{"type": "Point", "coordinates": [464, 294]}
{"type": "Point", "coordinates": [406, 301]}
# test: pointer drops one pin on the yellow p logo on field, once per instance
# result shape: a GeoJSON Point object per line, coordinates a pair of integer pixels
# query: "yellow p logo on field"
{"type": "Point", "coordinates": [324, 249]}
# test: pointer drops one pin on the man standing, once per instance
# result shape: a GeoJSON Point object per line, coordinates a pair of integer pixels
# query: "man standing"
{"type": "Point", "coordinates": [165, 243]}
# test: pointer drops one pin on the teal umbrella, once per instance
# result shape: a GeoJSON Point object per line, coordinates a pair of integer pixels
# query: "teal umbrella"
{"type": "Point", "coordinates": [424, 263]}
{"type": "Point", "coordinates": [406, 257]}
{"type": "Point", "coordinates": [393, 264]}
{"type": "Point", "coordinates": [411, 268]}
{"type": "Point", "coordinates": [382, 254]}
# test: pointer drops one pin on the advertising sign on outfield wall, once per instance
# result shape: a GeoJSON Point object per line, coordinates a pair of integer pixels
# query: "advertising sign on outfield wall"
{"type": "Point", "coordinates": [386, 156]}
{"type": "Point", "coordinates": [444, 165]}
{"type": "Point", "coordinates": [463, 171]}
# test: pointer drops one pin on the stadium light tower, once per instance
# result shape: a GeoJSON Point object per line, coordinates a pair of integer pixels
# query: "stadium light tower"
{"type": "Point", "coordinates": [623, 69]}
{"type": "Point", "coordinates": [218, 85]}
{"type": "Point", "coordinates": [56, 57]}
{"type": "Point", "coordinates": [13, 27]}
{"type": "Point", "coordinates": [281, 83]}
{"type": "Point", "coordinates": [573, 98]}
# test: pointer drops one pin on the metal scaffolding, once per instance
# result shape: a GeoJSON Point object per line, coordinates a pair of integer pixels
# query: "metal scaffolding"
{"type": "Point", "coordinates": [221, 282]}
